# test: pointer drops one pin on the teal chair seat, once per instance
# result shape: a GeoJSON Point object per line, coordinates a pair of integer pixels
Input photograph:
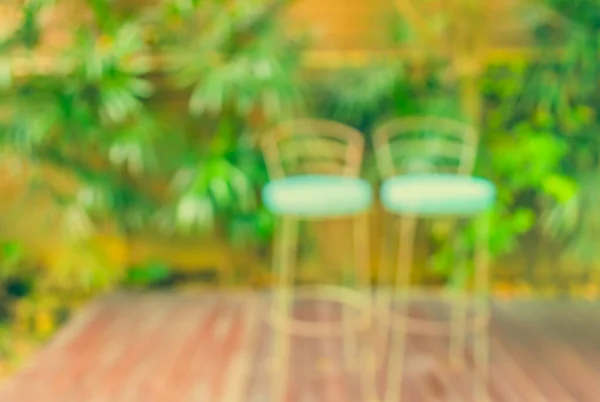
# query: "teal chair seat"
{"type": "Point", "coordinates": [437, 194]}
{"type": "Point", "coordinates": [317, 195]}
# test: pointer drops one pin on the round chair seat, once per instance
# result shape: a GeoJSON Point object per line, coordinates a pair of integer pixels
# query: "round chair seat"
{"type": "Point", "coordinates": [437, 194]}
{"type": "Point", "coordinates": [317, 195]}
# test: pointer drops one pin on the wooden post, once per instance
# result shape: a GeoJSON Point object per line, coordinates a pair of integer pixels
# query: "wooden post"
{"type": "Point", "coordinates": [471, 39]}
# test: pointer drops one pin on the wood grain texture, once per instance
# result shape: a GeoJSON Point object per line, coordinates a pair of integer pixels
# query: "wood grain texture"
{"type": "Point", "coordinates": [215, 347]}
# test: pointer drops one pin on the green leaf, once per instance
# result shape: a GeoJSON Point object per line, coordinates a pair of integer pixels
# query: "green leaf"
{"type": "Point", "coordinates": [562, 188]}
{"type": "Point", "coordinates": [523, 220]}
{"type": "Point", "coordinates": [148, 274]}
{"type": "Point", "coordinates": [11, 252]}
{"type": "Point", "coordinates": [220, 191]}
{"type": "Point", "coordinates": [141, 88]}
{"type": "Point", "coordinates": [5, 73]}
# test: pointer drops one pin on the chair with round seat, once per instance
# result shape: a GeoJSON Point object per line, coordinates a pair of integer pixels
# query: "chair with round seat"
{"type": "Point", "coordinates": [314, 168]}
{"type": "Point", "coordinates": [426, 165]}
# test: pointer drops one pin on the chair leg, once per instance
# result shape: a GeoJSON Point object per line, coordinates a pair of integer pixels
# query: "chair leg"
{"type": "Point", "coordinates": [382, 299]}
{"type": "Point", "coordinates": [459, 304]}
{"type": "Point", "coordinates": [481, 334]}
{"type": "Point", "coordinates": [284, 261]}
{"type": "Point", "coordinates": [367, 351]}
{"type": "Point", "coordinates": [397, 344]}
{"type": "Point", "coordinates": [367, 365]}
{"type": "Point", "coordinates": [360, 283]}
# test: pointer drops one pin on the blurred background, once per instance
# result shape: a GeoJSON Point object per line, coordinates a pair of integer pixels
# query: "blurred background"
{"type": "Point", "coordinates": [129, 133]}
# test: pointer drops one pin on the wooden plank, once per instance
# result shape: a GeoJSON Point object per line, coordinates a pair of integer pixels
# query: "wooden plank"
{"type": "Point", "coordinates": [234, 382]}
{"type": "Point", "coordinates": [528, 358]}
{"type": "Point", "coordinates": [157, 358]}
{"type": "Point", "coordinates": [192, 369]}
{"type": "Point", "coordinates": [575, 373]}
{"type": "Point", "coordinates": [52, 375]}
{"type": "Point", "coordinates": [579, 329]}
{"type": "Point", "coordinates": [99, 383]}
{"type": "Point", "coordinates": [216, 346]}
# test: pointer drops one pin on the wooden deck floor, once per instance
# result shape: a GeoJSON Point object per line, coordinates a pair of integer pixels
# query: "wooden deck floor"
{"type": "Point", "coordinates": [213, 348]}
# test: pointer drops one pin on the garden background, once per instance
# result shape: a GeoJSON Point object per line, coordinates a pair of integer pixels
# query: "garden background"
{"type": "Point", "coordinates": [129, 135]}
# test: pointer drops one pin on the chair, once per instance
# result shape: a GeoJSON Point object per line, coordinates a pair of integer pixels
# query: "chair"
{"type": "Point", "coordinates": [426, 165]}
{"type": "Point", "coordinates": [314, 168]}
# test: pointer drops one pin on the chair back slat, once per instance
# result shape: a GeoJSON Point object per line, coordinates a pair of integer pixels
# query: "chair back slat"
{"type": "Point", "coordinates": [425, 144]}
{"type": "Point", "coordinates": [313, 146]}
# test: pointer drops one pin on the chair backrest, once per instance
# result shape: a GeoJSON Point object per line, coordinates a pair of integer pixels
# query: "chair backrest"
{"type": "Point", "coordinates": [425, 144]}
{"type": "Point", "coordinates": [313, 146]}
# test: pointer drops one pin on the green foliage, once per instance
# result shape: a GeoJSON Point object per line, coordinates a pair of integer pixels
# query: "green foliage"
{"type": "Point", "coordinates": [561, 100]}
{"type": "Point", "coordinates": [14, 283]}
{"type": "Point", "coordinates": [97, 119]}
{"type": "Point", "coordinates": [355, 95]}
{"type": "Point", "coordinates": [97, 137]}
{"type": "Point", "coordinates": [89, 121]}
{"type": "Point", "coordinates": [363, 97]}
{"type": "Point", "coordinates": [241, 62]}
{"type": "Point", "coordinates": [17, 280]}
{"type": "Point", "coordinates": [11, 254]}
{"type": "Point", "coordinates": [538, 134]}
{"type": "Point", "coordinates": [149, 274]}
{"type": "Point", "coordinates": [29, 308]}
{"type": "Point", "coordinates": [539, 139]}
